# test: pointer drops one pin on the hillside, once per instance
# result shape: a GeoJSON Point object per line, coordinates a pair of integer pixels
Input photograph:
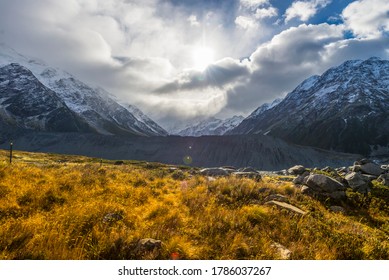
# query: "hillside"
{"type": "Point", "coordinates": [70, 207]}
{"type": "Point", "coordinates": [259, 151]}
{"type": "Point", "coordinates": [345, 109]}
{"type": "Point", "coordinates": [25, 83]}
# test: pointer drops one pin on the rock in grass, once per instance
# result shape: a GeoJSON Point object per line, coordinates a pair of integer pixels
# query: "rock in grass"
{"type": "Point", "coordinates": [297, 170]}
{"type": "Point", "coordinates": [358, 182]}
{"type": "Point", "coordinates": [149, 244]}
{"type": "Point", "coordinates": [370, 169]}
{"type": "Point", "coordinates": [322, 183]}
{"type": "Point", "coordinates": [286, 206]}
{"type": "Point", "coordinates": [284, 252]}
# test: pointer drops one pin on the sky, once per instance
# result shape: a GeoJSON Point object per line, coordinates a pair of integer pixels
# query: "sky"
{"type": "Point", "coordinates": [180, 60]}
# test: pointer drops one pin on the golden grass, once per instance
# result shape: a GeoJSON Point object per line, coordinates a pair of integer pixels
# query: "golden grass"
{"type": "Point", "coordinates": [71, 207]}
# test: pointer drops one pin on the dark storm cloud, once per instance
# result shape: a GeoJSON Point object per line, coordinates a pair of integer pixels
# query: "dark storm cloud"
{"type": "Point", "coordinates": [224, 72]}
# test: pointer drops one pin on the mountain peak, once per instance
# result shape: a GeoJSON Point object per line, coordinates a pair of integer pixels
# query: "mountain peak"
{"type": "Point", "coordinates": [344, 109]}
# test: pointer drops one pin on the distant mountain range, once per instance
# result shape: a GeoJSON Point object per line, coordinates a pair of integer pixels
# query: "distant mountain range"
{"type": "Point", "coordinates": [37, 97]}
{"type": "Point", "coordinates": [211, 126]}
{"type": "Point", "coordinates": [345, 109]}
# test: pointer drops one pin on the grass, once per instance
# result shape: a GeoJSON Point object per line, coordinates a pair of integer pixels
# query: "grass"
{"type": "Point", "coordinates": [73, 207]}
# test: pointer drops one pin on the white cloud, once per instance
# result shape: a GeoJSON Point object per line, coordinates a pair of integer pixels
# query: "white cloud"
{"type": "Point", "coordinates": [269, 12]}
{"type": "Point", "coordinates": [367, 18]}
{"type": "Point", "coordinates": [304, 10]}
{"type": "Point", "coordinates": [253, 4]}
{"type": "Point", "coordinates": [193, 20]}
{"type": "Point", "coordinates": [246, 22]}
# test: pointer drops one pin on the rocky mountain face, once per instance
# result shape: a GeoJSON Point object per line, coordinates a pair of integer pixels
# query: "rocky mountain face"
{"type": "Point", "coordinates": [345, 109]}
{"type": "Point", "coordinates": [40, 86]}
{"type": "Point", "coordinates": [211, 126]}
{"type": "Point", "coordinates": [26, 103]}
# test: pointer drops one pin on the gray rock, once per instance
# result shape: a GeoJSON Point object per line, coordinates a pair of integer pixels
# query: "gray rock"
{"type": "Point", "coordinates": [284, 252]}
{"type": "Point", "coordinates": [251, 175]}
{"type": "Point", "coordinates": [149, 244]}
{"type": "Point", "coordinates": [322, 183]}
{"type": "Point", "coordinates": [337, 209]}
{"type": "Point", "coordinates": [286, 206]}
{"type": "Point", "coordinates": [299, 180]}
{"type": "Point", "coordinates": [214, 172]}
{"type": "Point", "coordinates": [338, 195]}
{"type": "Point", "coordinates": [358, 182]}
{"type": "Point", "coordinates": [371, 169]}
{"type": "Point", "coordinates": [297, 170]}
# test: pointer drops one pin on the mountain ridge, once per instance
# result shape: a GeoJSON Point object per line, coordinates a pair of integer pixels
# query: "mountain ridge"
{"type": "Point", "coordinates": [94, 106]}
{"type": "Point", "coordinates": [344, 109]}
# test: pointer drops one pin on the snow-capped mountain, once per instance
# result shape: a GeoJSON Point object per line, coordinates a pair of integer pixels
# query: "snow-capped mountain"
{"type": "Point", "coordinates": [26, 103]}
{"type": "Point", "coordinates": [264, 107]}
{"type": "Point", "coordinates": [345, 109]}
{"type": "Point", "coordinates": [94, 106]}
{"type": "Point", "coordinates": [211, 126]}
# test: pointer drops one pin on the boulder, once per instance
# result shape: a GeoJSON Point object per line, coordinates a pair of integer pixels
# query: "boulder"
{"type": "Point", "coordinates": [251, 175]}
{"type": "Point", "coordinates": [358, 182]}
{"type": "Point", "coordinates": [371, 169]}
{"type": "Point", "coordinates": [322, 183]}
{"type": "Point", "coordinates": [297, 170]}
{"type": "Point", "coordinates": [214, 172]}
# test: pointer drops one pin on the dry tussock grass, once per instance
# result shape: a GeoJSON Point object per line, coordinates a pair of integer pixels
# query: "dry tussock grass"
{"type": "Point", "coordinates": [64, 207]}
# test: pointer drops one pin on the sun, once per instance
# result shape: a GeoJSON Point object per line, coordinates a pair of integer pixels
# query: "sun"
{"type": "Point", "coordinates": [202, 57]}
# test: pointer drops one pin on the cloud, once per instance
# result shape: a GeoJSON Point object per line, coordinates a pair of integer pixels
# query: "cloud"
{"type": "Point", "coordinates": [246, 22]}
{"type": "Point", "coordinates": [269, 12]}
{"type": "Point", "coordinates": [368, 19]}
{"type": "Point", "coordinates": [304, 10]}
{"type": "Point", "coordinates": [193, 20]}
{"type": "Point", "coordinates": [253, 4]}
{"type": "Point", "coordinates": [222, 74]}
{"type": "Point", "coordinates": [141, 51]}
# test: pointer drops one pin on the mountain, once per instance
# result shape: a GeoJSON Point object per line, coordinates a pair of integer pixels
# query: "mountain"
{"type": "Point", "coordinates": [259, 151]}
{"type": "Point", "coordinates": [345, 109]}
{"type": "Point", "coordinates": [211, 126]}
{"type": "Point", "coordinates": [92, 106]}
{"type": "Point", "coordinates": [26, 103]}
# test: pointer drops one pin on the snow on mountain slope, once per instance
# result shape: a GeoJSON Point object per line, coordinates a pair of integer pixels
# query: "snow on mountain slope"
{"type": "Point", "coordinates": [211, 126]}
{"type": "Point", "coordinates": [104, 114]}
{"type": "Point", "coordinates": [344, 109]}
